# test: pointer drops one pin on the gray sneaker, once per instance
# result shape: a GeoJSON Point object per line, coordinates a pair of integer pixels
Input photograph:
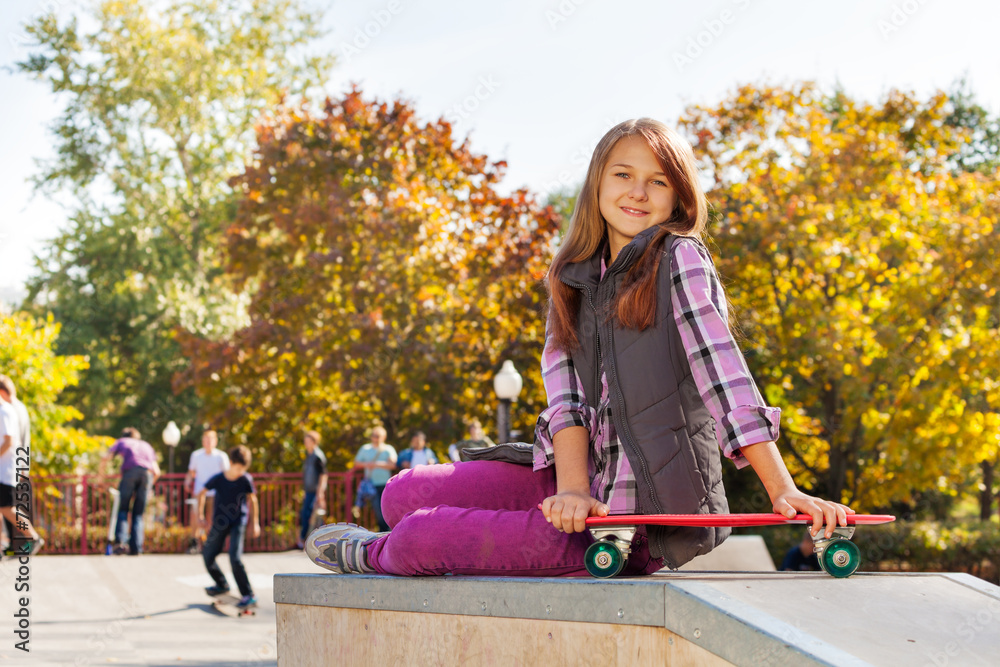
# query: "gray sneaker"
{"type": "Point", "coordinates": [340, 547]}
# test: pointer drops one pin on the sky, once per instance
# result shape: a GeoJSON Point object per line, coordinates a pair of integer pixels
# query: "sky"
{"type": "Point", "coordinates": [537, 82]}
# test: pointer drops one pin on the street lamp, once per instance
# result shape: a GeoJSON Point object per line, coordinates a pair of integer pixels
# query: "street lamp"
{"type": "Point", "coordinates": [171, 436]}
{"type": "Point", "coordinates": [507, 385]}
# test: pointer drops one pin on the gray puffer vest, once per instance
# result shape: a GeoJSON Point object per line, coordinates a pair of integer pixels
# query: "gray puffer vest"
{"type": "Point", "coordinates": [663, 424]}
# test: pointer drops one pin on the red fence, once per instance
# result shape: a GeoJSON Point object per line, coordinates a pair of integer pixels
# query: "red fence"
{"type": "Point", "coordinates": [73, 512]}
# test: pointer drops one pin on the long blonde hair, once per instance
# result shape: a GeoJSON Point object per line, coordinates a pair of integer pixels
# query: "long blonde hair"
{"type": "Point", "coordinates": [635, 305]}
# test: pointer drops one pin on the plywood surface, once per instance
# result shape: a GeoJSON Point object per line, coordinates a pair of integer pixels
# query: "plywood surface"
{"type": "Point", "coordinates": [398, 639]}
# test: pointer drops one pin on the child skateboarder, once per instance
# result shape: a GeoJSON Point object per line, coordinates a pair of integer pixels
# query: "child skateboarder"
{"type": "Point", "coordinates": [235, 507]}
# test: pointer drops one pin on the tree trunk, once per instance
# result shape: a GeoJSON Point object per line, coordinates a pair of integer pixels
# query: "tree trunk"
{"type": "Point", "coordinates": [836, 477]}
{"type": "Point", "coordinates": [986, 496]}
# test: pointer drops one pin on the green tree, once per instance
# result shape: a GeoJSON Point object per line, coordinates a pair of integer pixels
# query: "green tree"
{"type": "Point", "coordinates": [159, 101]}
{"type": "Point", "coordinates": [563, 201]}
{"type": "Point", "coordinates": [981, 149]}
{"type": "Point", "coordinates": [865, 267]}
{"type": "Point", "coordinates": [40, 376]}
{"type": "Point", "coordinates": [981, 152]}
{"type": "Point", "coordinates": [390, 281]}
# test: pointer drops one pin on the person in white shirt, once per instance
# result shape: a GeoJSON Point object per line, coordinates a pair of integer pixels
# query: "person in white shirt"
{"type": "Point", "coordinates": [418, 453]}
{"type": "Point", "coordinates": [24, 424]}
{"type": "Point", "coordinates": [205, 464]}
{"type": "Point", "coordinates": [10, 441]}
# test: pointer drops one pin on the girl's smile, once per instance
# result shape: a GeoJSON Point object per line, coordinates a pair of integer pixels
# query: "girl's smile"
{"type": "Point", "coordinates": [634, 211]}
{"type": "Point", "coordinates": [634, 194]}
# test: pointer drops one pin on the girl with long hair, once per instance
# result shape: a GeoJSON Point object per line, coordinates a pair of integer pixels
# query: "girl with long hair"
{"type": "Point", "coordinates": [645, 385]}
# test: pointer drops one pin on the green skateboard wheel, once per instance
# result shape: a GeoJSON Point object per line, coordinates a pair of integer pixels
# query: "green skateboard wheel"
{"type": "Point", "coordinates": [604, 560]}
{"type": "Point", "coordinates": [841, 558]}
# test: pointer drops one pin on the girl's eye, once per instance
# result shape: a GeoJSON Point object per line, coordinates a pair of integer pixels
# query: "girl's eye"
{"type": "Point", "coordinates": [659, 183]}
{"type": "Point", "coordinates": [621, 174]}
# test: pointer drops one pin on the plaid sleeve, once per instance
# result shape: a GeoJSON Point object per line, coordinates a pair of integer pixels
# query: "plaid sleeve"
{"type": "Point", "coordinates": [567, 403]}
{"type": "Point", "coordinates": [719, 369]}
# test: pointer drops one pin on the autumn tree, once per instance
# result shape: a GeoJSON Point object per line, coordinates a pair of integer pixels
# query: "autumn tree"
{"type": "Point", "coordinates": [863, 260]}
{"type": "Point", "coordinates": [159, 101]}
{"type": "Point", "coordinates": [390, 281]}
{"type": "Point", "coordinates": [41, 377]}
{"type": "Point", "coordinates": [980, 152]}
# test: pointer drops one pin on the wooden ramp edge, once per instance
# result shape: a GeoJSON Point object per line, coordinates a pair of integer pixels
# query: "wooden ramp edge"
{"type": "Point", "coordinates": [682, 618]}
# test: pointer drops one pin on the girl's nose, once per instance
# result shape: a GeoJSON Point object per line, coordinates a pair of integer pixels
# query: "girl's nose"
{"type": "Point", "coordinates": [638, 192]}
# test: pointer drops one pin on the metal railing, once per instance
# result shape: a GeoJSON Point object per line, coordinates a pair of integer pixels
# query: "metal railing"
{"type": "Point", "coordinates": [73, 512]}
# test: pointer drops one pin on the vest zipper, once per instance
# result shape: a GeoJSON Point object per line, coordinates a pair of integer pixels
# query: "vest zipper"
{"type": "Point", "coordinates": [596, 377]}
{"type": "Point", "coordinates": [623, 430]}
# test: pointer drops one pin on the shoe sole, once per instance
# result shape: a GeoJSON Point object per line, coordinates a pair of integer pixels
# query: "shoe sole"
{"type": "Point", "coordinates": [325, 549]}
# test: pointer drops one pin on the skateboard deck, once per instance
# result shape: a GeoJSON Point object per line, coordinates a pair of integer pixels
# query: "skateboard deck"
{"type": "Point", "coordinates": [317, 519]}
{"type": "Point", "coordinates": [607, 556]}
{"type": "Point", "coordinates": [112, 520]}
{"type": "Point", "coordinates": [226, 604]}
{"type": "Point", "coordinates": [725, 520]}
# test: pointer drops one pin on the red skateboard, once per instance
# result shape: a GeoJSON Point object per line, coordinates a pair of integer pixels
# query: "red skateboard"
{"type": "Point", "coordinates": [606, 557]}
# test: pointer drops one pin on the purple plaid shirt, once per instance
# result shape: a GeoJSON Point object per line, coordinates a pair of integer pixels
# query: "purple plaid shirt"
{"type": "Point", "coordinates": [742, 417]}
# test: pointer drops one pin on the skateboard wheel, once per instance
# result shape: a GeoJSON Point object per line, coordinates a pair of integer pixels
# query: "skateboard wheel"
{"type": "Point", "coordinates": [604, 560]}
{"type": "Point", "coordinates": [841, 558]}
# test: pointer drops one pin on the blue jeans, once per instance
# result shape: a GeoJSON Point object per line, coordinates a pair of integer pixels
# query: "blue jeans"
{"type": "Point", "coordinates": [377, 504]}
{"type": "Point", "coordinates": [132, 489]}
{"type": "Point", "coordinates": [306, 514]}
{"type": "Point", "coordinates": [213, 547]}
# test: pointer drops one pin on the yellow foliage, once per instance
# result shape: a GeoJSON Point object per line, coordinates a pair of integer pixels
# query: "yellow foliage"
{"type": "Point", "coordinates": [862, 264]}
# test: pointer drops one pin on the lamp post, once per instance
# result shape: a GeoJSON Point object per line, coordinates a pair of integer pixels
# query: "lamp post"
{"type": "Point", "coordinates": [171, 436]}
{"type": "Point", "coordinates": [507, 385]}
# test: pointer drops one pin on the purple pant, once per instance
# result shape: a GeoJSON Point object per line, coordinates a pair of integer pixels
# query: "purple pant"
{"type": "Point", "coordinates": [481, 517]}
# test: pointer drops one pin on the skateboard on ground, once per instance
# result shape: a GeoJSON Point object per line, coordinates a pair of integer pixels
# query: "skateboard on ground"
{"type": "Point", "coordinates": [112, 521]}
{"type": "Point", "coordinates": [226, 604]}
{"type": "Point", "coordinates": [317, 519]}
{"type": "Point", "coordinates": [606, 557]}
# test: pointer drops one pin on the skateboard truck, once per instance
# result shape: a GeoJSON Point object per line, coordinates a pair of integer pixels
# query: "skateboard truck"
{"type": "Point", "coordinates": [607, 556]}
{"type": "Point", "coordinates": [837, 555]}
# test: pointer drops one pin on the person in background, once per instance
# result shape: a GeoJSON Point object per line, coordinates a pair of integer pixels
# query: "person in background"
{"type": "Point", "coordinates": [10, 444]}
{"type": "Point", "coordinates": [24, 429]}
{"type": "Point", "coordinates": [205, 464]}
{"type": "Point", "coordinates": [139, 472]}
{"type": "Point", "coordinates": [417, 454]}
{"type": "Point", "coordinates": [477, 438]}
{"type": "Point", "coordinates": [235, 507]}
{"type": "Point", "coordinates": [801, 557]}
{"type": "Point", "coordinates": [313, 481]}
{"type": "Point", "coordinates": [378, 459]}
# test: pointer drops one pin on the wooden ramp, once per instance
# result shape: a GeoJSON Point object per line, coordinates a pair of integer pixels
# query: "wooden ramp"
{"type": "Point", "coordinates": [675, 618]}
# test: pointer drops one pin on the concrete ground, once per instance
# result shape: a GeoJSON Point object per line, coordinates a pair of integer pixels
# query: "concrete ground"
{"type": "Point", "coordinates": [146, 610]}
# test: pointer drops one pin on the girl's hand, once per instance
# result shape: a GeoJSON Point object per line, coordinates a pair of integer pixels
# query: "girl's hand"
{"type": "Point", "coordinates": [568, 511]}
{"type": "Point", "coordinates": [832, 514]}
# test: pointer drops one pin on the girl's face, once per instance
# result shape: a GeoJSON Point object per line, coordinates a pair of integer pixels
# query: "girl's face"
{"type": "Point", "coordinates": [634, 192]}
